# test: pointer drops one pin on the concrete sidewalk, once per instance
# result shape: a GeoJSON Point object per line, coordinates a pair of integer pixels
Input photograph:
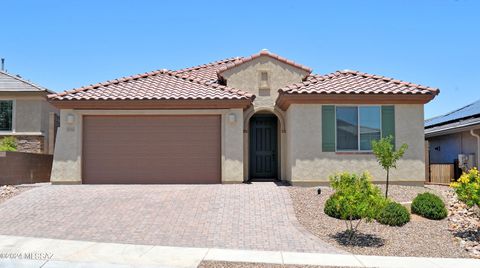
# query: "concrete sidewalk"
{"type": "Point", "coordinates": [16, 251]}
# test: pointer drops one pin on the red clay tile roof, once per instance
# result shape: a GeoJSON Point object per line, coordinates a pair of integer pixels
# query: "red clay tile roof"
{"type": "Point", "coordinates": [241, 61]}
{"type": "Point", "coordinates": [207, 72]}
{"type": "Point", "coordinates": [353, 82]}
{"type": "Point", "coordinates": [156, 85]}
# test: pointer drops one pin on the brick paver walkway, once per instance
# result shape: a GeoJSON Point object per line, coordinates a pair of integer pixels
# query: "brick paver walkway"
{"type": "Point", "coordinates": [257, 216]}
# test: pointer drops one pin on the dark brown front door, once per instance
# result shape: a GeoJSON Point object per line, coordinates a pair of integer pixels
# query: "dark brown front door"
{"type": "Point", "coordinates": [263, 147]}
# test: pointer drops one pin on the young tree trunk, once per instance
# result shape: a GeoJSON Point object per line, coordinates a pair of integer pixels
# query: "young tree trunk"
{"type": "Point", "coordinates": [386, 186]}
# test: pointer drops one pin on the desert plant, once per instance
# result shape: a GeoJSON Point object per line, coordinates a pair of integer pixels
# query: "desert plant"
{"type": "Point", "coordinates": [355, 198]}
{"type": "Point", "coordinates": [332, 208]}
{"type": "Point", "coordinates": [387, 157]}
{"type": "Point", "coordinates": [467, 187]}
{"type": "Point", "coordinates": [8, 144]}
{"type": "Point", "coordinates": [394, 214]}
{"type": "Point", "coordinates": [429, 206]}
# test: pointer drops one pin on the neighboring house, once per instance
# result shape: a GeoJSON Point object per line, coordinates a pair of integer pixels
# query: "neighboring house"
{"type": "Point", "coordinates": [453, 134]}
{"type": "Point", "coordinates": [256, 117]}
{"type": "Point", "coordinates": [26, 114]}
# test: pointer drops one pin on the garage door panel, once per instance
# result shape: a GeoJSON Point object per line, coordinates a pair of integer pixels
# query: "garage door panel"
{"type": "Point", "coordinates": [151, 149]}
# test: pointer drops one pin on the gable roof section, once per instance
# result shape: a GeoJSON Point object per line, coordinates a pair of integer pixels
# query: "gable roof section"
{"type": "Point", "coordinates": [13, 83]}
{"type": "Point", "coordinates": [153, 86]}
{"type": "Point", "coordinates": [354, 87]}
{"type": "Point", "coordinates": [264, 52]}
{"type": "Point", "coordinates": [469, 111]}
{"type": "Point", "coordinates": [207, 72]}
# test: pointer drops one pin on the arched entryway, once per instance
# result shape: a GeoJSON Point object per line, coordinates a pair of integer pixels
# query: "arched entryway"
{"type": "Point", "coordinates": [263, 147]}
{"type": "Point", "coordinates": [281, 137]}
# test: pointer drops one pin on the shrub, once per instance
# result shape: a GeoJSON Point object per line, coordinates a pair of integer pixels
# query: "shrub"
{"type": "Point", "coordinates": [429, 206]}
{"type": "Point", "coordinates": [468, 187]}
{"type": "Point", "coordinates": [355, 198]}
{"type": "Point", "coordinates": [8, 144]}
{"type": "Point", "coordinates": [332, 208]}
{"type": "Point", "coordinates": [394, 214]}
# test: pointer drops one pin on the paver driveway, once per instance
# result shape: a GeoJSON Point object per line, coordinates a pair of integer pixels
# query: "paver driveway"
{"type": "Point", "coordinates": [256, 216]}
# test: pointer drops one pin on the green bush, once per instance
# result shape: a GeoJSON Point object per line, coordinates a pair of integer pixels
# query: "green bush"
{"type": "Point", "coordinates": [8, 144]}
{"type": "Point", "coordinates": [355, 198]}
{"type": "Point", "coordinates": [332, 208]}
{"type": "Point", "coordinates": [429, 206]}
{"type": "Point", "coordinates": [467, 187]}
{"type": "Point", "coordinates": [394, 214]}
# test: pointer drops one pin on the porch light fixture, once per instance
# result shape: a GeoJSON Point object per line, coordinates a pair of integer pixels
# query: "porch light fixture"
{"type": "Point", "coordinates": [70, 119]}
{"type": "Point", "coordinates": [232, 118]}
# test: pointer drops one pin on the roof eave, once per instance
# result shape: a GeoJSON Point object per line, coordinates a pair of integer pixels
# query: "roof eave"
{"type": "Point", "coordinates": [285, 100]}
{"type": "Point", "coordinates": [164, 104]}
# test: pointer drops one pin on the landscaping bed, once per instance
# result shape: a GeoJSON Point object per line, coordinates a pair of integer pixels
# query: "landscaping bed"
{"type": "Point", "coordinates": [463, 222]}
{"type": "Point", "coordinates": [9, 191]}
{"type": "Point", "coordinates": [420, 237]}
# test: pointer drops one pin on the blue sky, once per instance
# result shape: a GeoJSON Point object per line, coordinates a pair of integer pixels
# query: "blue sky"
{"type": "Point", "coordinates": [67, 44]}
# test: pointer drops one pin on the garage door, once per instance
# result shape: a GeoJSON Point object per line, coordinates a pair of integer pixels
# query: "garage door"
{"type": "Point", "coordinates": [151, 149]}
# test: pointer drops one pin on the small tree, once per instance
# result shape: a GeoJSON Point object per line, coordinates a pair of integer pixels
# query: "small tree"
{"type": "Point", "coordinates": [355, 198]}
{"type": "Point", "coordinates": [387, 156]}
{"type": "Point", "coordinates": [8, 144]}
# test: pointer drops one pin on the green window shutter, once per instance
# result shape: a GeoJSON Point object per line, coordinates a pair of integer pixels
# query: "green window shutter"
{"type": "Point", "coordinates": [328, 128]}
{"type": "Point", "coordinates": [388, 122]}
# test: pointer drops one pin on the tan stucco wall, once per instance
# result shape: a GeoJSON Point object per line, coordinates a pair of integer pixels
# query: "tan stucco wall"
{"type": "Point", "coordinates": [307, 163]}
{"type": "Point", "coordinates": [247, 76]}
{"type": "Point", "coordinates": [68, 150]}
{"type": "Point", "coordinates": [31, 115]}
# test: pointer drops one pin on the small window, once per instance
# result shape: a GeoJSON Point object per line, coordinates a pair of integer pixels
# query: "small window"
{"type": "Point", "coordinates": [357, 127]}
{"type": "Point", "coordinates": [6, 115]}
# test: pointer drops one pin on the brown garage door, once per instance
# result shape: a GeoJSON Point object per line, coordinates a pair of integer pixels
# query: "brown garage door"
{"type": "Point", "coordinates": [151, 149]}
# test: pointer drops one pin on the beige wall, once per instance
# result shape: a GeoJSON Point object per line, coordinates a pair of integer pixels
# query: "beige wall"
{"type": "Point", "coordinates": [68, 151]}
{"type": "Point", "coordinates": [306, 163]}
{"type": "Point", "coordinates": [247, 77]}
{"type": "Point", "coordinates": [31, 114]}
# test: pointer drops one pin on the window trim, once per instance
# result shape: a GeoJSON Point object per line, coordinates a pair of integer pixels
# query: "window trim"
{"type": "Point", "coordinates": [358, 127]}
{"type": "Point", "coordinates": [14, 113]}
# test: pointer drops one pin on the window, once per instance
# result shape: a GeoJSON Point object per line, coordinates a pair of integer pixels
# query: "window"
{"type": "Point", "coordinates": [357, 127]}
{"type": "Point", "coordinates": [6, 115]}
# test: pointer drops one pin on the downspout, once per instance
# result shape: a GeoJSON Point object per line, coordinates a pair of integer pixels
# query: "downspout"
{"type": "Point", "coordinates": [472, 132]}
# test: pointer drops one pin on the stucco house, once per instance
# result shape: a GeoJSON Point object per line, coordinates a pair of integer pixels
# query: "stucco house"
{"type": "Point", "coordinates": [26, 114]}
{"type": "Point", "coordinates": [230, 121]}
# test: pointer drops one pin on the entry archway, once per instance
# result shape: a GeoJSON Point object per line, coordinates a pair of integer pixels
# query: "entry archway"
{"type": "Point", "coordinates": [264, 150]}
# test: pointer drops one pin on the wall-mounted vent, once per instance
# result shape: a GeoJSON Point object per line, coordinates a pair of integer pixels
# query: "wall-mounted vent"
{"type": "Point", "coordinates": [264, 80]}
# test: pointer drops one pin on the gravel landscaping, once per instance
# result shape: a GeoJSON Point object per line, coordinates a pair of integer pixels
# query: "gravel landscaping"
{"type": "Point", "coordinates": [9, 191]}
{"type": "Point", "coordinates": [463, 222]}
{"type": "Point", "coordinates": [420, 237]}
{"type": "Point", "coordinates": [224, 264]}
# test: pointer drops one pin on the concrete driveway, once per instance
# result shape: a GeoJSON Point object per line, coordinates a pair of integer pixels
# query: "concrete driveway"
{"type": "Point", "coordinates": [258, 216]}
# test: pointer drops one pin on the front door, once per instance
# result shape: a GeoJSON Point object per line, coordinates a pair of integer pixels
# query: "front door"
{"type": "Point", "coordinates": [263, 147]}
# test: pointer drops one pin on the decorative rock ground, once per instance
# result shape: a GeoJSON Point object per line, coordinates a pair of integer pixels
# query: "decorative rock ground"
{"type": "Point", "coordinates": [7, 191]}
{"type": "Point", "coordinates": [464, 223]}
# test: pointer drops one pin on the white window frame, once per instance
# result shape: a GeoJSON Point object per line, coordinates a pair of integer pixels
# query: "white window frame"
{"type": "Point", "coordinates": [358, 126]}
{"type": "Point", "coordinates": [14, 113]}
